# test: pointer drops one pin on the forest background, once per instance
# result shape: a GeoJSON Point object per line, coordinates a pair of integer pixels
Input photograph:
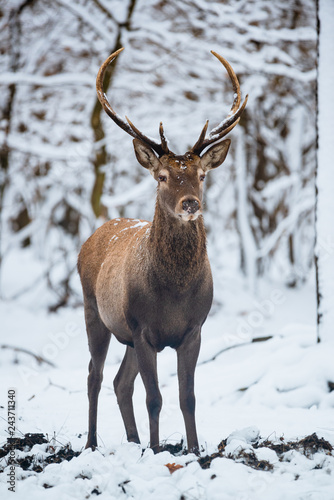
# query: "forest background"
{"type": "Point", "coordinates": [66, 168]}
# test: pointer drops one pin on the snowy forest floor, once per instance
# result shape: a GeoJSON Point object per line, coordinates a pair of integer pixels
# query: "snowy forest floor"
{"type": "Point", "coordinates": [253, 398]}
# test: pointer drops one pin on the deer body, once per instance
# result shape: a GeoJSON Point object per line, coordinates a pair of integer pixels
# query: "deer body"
{"type": "Point", "coordinates": [145, 293]}
{"type": "Point", "coordinates": [150, 284]}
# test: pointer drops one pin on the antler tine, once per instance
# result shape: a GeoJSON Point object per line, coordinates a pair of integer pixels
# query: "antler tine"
{"type": "Point", "coordinates": [201, 137]}
{"type": "Point", "coordinates": [232, 118]}
{"type": "Point", "coordinates": [229, 125]}
{"type": "Point", "coordinates": [158, 148]}
{"type": "Point", "coordinates": [229, 120]}
{"type": "Point", "coordinates": [163, 139]}
{"type": "Point", "coordinates": [126, 126]}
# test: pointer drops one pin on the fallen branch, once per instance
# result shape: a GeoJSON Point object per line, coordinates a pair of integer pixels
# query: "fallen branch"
{"type": "Point", "coordinates": [40, 360]}
{"type": "Point", "coordinates": [241, 344]}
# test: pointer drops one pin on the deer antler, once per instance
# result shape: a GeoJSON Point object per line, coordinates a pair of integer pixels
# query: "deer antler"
{"type": "Point", "coordinates": [232, 118]}
{"type": "Point", "coordinates": [215, 135]}
{"type": "Point", "coordinates": [127, 126]}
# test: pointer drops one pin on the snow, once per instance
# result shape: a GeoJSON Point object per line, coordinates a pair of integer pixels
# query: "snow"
{"type": "Point", "coordinates": [86, 17]}
{"type": "Point", "coordinates": [256, 64]}
{"type": "Point", "coordinates": [140, 223]}
{"type": "Point", "coordinates": [61, 79]}
{"type": "Point", "coordinates": [135, 193]}
{"type": "Point", "coordinates": [241, 440]}
{"type": "Point", "coordinates": [245, 391]}
{"type": "Point", "coordinates": [287, 224]}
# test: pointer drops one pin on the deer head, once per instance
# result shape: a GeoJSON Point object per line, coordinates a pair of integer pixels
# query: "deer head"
{"type": "Point", "coordinates": [180, 178]}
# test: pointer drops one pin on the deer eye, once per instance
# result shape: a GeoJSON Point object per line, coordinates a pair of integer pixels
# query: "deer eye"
{"type": "Point", "coordinates": [202, 177]}
{"type": "Point", "coordinates": [162, 178]}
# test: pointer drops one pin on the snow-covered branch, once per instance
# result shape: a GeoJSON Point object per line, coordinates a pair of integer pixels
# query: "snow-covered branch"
{"type": "Point", "coordinates": [75, 79]}
{"type": "Point", "coordinates": [40, 149]}
{"type": "Point", "coordinates": [287, 225]}
{"type": "Point", "coordinates": [138, 191]}
{"type": "Point", "coordinates": [90, 20]}
{"type": "Point", "coordinates": [273, 36]}
{"type": "Point", "coordinates": [256, 63]}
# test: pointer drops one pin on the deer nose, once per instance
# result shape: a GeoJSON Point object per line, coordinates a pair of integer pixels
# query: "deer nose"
{"type": "Point", "coordinates": [191, 206]}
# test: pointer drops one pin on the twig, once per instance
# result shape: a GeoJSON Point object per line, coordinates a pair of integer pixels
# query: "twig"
{"type": "Point", "coordinates": [38, 358]}
{"type": "Point", "coordinates": [256, 339]}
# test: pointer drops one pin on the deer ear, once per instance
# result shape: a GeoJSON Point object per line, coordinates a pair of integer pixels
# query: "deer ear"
{"type": "Point", "coordinates": [215, 156]}
{"type": "Point", "coordinates": [146, 156]}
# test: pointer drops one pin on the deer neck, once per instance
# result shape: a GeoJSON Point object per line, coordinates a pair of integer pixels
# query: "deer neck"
{"type": "Point", "coordinates": [177, 248]}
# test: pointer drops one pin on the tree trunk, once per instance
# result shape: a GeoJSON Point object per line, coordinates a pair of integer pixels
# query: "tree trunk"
{"type": "Point", "coordinates": [101, 157]}
{"type": "Point", "coordinates": [324, 250]}
{"type": "Point", "coordinates": [247, 240]}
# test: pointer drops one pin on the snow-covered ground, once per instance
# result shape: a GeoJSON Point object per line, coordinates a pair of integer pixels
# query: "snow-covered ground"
{"type": "Point", "coordinates": [277, 388]}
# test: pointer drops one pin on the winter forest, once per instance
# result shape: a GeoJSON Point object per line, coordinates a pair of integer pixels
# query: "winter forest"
{"type": "Point", "coordinates": [265, 375]}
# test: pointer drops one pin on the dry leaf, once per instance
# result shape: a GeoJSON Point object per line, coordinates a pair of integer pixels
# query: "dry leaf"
{"type": "Point", "coordinates": [173, 467]}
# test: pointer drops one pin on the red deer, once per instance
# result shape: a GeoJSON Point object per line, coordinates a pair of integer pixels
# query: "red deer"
{"type": "Point", "coordinates": [150, 283]}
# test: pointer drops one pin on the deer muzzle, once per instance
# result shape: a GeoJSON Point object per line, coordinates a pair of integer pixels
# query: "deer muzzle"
{"type": "Point", "coordinates": [190, 208]}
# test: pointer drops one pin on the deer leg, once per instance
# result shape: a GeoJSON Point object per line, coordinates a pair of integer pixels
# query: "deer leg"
{"type": "Point", "coordinates": [123, 385]}
{"type": "Point", "coordinates": [187, 355]}
{"type": "Point", "coordinates": [147, 362]}
{"type": "Point", "coordinates": [98, 340]}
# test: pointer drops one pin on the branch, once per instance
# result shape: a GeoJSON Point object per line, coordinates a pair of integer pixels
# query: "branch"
{"type": "Point", "coordinates": [256, 64]}
{"type": "Point", "coordinates": [273, 36]}
{"type": "Point", "coordinates": [9, 78]}
{"type": "Point", "coordinates": [132, 194]}
{"type": "Point", "coordinates": [241, 344]}
{"type": "Point", "coordinates": [105, 8]}
{"type": "Point", "coordinates": [89, 19]}
{"type": "Point", "coordinates": [284, 226]}
{"type": "Point", "coordinates": [36, 148]}
{"type": "Point", "coordinates": [38, 358]}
